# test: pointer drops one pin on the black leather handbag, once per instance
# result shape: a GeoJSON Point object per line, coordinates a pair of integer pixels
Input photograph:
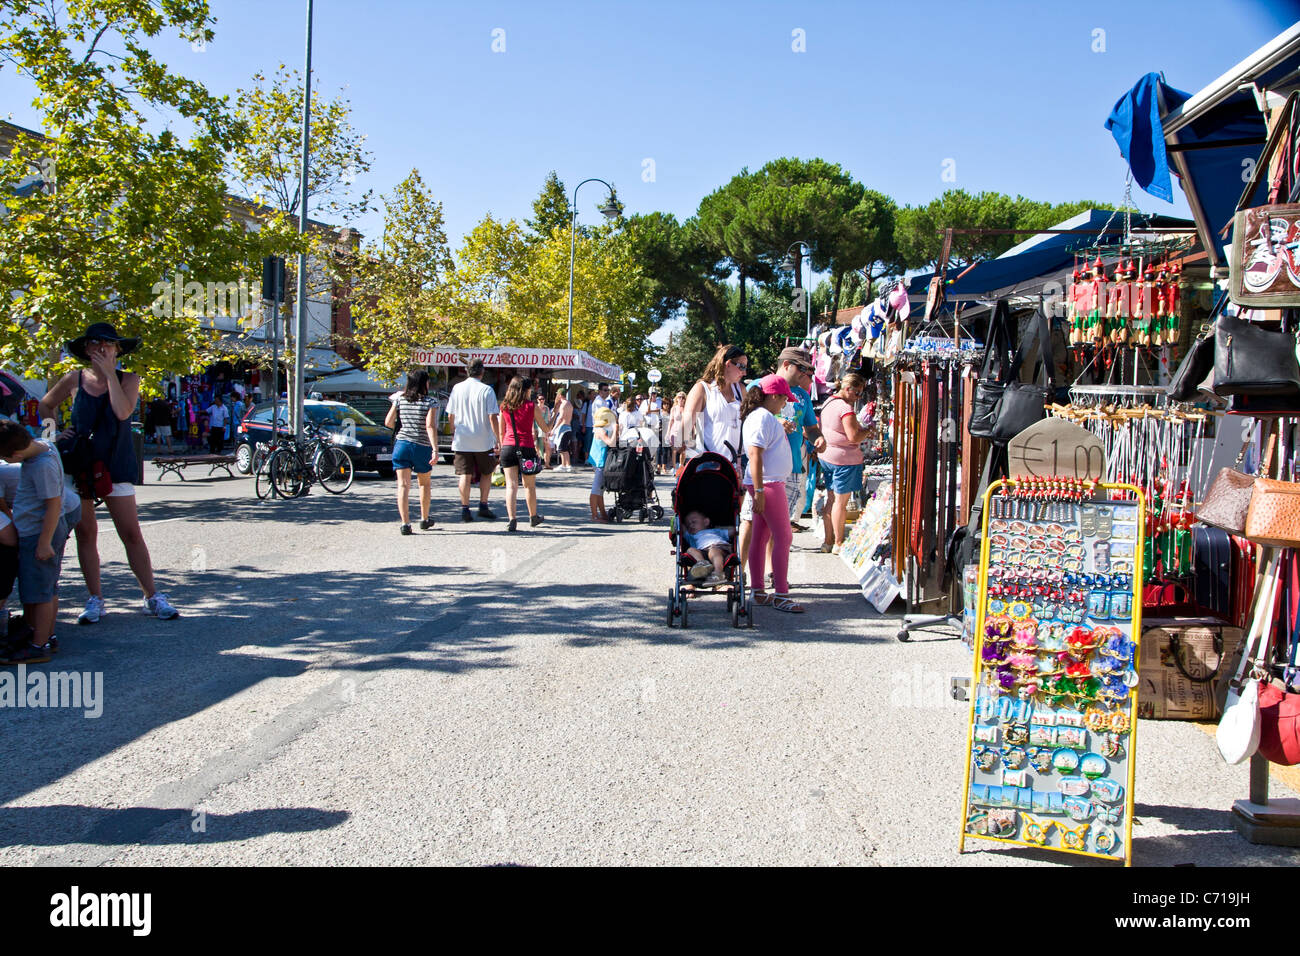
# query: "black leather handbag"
{"type": "Point", "coordinates": [1250, 359]}
{"type": "Point", "coordinates": [1022, 404]}
{"type": "Point", "coordinates": [1198, 363]}
{"type": "Point", "coordinates": [994, 375]}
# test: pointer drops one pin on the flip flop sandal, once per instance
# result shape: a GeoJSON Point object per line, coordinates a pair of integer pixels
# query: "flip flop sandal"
{"type": "Point", "coordinates": [787, 605]}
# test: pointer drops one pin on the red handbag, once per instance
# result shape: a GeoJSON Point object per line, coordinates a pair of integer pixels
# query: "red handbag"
{"type": "Point", "coordinates": [1279, 725]}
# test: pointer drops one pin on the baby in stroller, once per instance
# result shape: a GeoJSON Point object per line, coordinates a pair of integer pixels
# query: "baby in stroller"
{"type": "Point", "coordinates": [709, 547]}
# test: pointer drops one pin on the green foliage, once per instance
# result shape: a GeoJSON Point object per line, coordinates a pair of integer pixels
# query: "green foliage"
{"type": "Point", "coordinates": [919, 231]}
{"type": "Point", "coordinates": [126, 202]}
{"type": "Point", "coordinates": [551, 209]}
{"type": "Point", "coordinates": [266, 166]}
{"type": "Point", "coordinates": [398, 286]}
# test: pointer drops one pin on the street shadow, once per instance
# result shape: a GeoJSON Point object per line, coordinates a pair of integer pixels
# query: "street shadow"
{"type": "Point", "coordinates": [155, 826]}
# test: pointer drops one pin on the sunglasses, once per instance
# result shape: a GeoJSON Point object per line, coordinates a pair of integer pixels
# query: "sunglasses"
{"type": "Point", "coordinates": [740, 365]}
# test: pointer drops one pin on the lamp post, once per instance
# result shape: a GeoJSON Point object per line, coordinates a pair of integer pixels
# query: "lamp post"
{"type": "Point", "coordinates": [300, 336]}
{"type": "Point", "coordinates": [610, 211]}
{"type": "Point", "coordinates": [788, 264]}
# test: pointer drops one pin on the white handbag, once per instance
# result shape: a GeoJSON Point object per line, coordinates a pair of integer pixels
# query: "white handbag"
{"type": "Point", "coordinates": [1238, 731]}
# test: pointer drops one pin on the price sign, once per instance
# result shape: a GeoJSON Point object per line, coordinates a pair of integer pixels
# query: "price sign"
{"type": "Point", "coordinates": [1054, 446]}
{"type": "Point", "coordinates": [654, 375]}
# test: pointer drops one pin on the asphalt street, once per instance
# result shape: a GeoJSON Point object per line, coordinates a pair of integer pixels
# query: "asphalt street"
{"type": "Point", "coordinates": [336, 694]}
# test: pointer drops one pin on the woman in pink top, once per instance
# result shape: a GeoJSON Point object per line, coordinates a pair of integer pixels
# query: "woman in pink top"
{"type": "Point", "coordinates": [520, 416]}
{"type": "Point", "coordinates": [841, 462]}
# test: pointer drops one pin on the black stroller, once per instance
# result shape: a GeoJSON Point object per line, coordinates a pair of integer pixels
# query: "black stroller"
{"type": "Point", "coordinates": [629, 475]}
{"type": "Point", "coordinates": [708, 484]}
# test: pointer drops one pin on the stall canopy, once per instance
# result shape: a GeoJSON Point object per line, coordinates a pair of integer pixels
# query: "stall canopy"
{"type": "Point", "coordinates": [571, 364]}
{"type": "Point", "coordinates": [356, 381]}
{"type": "Point", "coordinates": [1210, 140]}
{"type": "Point", "coordinates": [1024, 267]}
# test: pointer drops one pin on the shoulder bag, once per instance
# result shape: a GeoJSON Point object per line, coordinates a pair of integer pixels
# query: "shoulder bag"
{"type": "Point", "coordinates": [1239, 728]}
{"type": "Point", "coordinates": [1250, 359]}
{"type": "Point", "coordinates": [1022, 404]}
{"type": "Point", "coordinates": [1279, 706]}
{"type": "Point", "coordinates": [994, 373]}
{"type": "Point", "coordinates": [1227, 502]}
{"type": "Point", "coordinates": [1262, 267]}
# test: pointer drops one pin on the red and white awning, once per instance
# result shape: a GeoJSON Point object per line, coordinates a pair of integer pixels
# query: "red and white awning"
{"type": "Point", "coordinates": [573, 364]}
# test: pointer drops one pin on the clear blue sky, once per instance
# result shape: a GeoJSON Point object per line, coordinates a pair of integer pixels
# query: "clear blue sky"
{"type": "Point", "coordinates": [1012, 92]}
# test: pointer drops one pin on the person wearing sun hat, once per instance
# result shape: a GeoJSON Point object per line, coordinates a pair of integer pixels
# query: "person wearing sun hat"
{"type": "Point", "coordinates": [103, 400]}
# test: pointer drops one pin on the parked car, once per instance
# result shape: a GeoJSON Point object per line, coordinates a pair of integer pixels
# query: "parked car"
{"type": "Point", "coordinates": [369, 445]}
{"type": "Point", "coordinates": [376, 406]}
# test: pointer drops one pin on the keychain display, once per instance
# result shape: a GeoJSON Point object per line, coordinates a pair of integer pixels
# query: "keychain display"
{"type": "Point", "coordinates": [1056, 661]}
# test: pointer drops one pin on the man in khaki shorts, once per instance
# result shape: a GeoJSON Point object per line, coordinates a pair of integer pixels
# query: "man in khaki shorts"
{"type": "Point", "coordinates": [475, 419]}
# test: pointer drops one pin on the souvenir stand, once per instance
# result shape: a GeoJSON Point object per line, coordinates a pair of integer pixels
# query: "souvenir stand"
{"type": "Point", "coordinates": [1052, 720]}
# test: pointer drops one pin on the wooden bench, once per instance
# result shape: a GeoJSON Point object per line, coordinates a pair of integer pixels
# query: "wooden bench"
{"type": "Point", "coordinates": [177, 464]}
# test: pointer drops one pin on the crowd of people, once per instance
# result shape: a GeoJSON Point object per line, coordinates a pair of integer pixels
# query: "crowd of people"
{"type": "Point", "coordinates": [767, 425]}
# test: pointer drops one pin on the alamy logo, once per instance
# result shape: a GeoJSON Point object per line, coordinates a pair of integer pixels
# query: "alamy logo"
{"type": "Point", "coordinates": [103, 909]}
{"type": "Point", "coordinates": [42, 689]}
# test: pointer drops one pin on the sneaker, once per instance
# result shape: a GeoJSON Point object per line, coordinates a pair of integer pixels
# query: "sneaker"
{"type": "Point", "coordinates": [535, 520]}
{"type": "Point", "coordinates": [701, 570]}
{"type": "Point", "coordinates": [160, 607]}
{"type": "Point", "coordinates": [406, 529]}
{"type": "Point", "coordinates": [465, 515]}
{"type": "Point", "coordinates": [52, 644]}
{"type": "Point", "coordinates": [94, 611]}
{"type": "Point", "coordinates": [485, 512]}
{"type": "Point", "coordinates": [426, 524]}
{"type": "Point", "coordinates": [28, 654]}
{"type": "Point", "coordinates": [714, 580]}
{"type": "Point", "coordinates": [513, 525]}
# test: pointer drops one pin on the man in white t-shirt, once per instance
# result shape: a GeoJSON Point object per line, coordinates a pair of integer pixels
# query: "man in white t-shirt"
{"type": "Point", "coordinates": [217, 427]}
{"type": "Point", "coordinates": [475, 419]}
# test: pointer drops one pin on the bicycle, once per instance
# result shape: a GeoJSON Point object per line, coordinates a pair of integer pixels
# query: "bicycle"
{"type": "Point", "coordinates": [291, 466]}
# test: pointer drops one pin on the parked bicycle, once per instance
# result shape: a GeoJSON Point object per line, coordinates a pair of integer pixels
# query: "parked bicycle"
{"type": "Point", "coordinates": [291, 466]}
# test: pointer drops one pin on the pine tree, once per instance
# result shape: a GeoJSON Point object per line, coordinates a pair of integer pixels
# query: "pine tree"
{"type": "Point", "coordinates": [551, 209]}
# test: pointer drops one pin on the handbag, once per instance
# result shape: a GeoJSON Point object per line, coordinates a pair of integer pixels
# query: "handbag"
{"type": "Point", "coordinates": [1279, 707]}
{"type": "Point", "coordinates": [1238, 732]}
{"type": "Point", "coordinates": [992, 380]}
{"type": "Point", "coordinates": [1274, 515]}
{"type": "Point", "coordinates": [1198, 363]}
{"type": "Point", "coordinates": [1262, 268]}
{"type": "Point", "coordinates": [1227, 502]}
{"type": "Point", "coordinates": [1250, 359]}
{"type": "Point", "coordinates": [1022, 404]}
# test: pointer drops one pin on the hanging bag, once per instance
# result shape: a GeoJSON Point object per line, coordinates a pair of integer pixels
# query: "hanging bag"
{"type": "Point", "coordinates": [1279, 704]}
{"type": "Point", "coordinates": [994, 374]}
{"type": "Point", "coordinates": [1262, 270]}
{"type": "Point", "coordinates": [1250, 359]}
{"type": "Point", "coordinates": [1198, 363]}
{"type": "Point", "coordinates": [1227, 502]}
{"type": "Point", "coordinates": [1239, 729]}
{"type": "Point", "coordinates": [1022, 404]}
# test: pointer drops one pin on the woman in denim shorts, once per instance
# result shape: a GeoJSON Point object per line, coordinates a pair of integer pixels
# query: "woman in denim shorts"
{"type": "Point", "coordinates": [414, 418]}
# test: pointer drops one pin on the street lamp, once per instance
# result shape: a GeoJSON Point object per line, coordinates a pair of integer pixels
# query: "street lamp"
{"type": "Point", "coordinates": [610, 210]}
{"type": "Point", "coordinates": [789, 264]}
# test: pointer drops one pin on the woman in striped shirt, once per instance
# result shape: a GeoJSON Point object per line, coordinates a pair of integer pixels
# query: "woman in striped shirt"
{"type": "Point", "coordinates": [414, 417]}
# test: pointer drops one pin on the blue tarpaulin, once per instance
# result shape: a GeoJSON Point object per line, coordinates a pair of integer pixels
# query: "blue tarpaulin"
{"type": "Point", "coordinates": [1135, 124]}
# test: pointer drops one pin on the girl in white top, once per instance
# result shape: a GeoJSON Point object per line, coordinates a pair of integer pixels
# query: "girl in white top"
{"type": "Point", "coordinates": [770, 463]}
{"type": "Point", "coordinates": [712, 409]}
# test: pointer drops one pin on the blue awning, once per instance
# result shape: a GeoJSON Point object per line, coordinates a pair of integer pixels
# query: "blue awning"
{"type": "Point", "coordinates": [1212, 139]}
{"type": "Point", "coordinates": [1042, 255]}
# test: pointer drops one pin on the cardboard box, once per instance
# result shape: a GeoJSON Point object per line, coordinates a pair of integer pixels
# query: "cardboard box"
{"type": "Point", "coordinates": [1205, 649]}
